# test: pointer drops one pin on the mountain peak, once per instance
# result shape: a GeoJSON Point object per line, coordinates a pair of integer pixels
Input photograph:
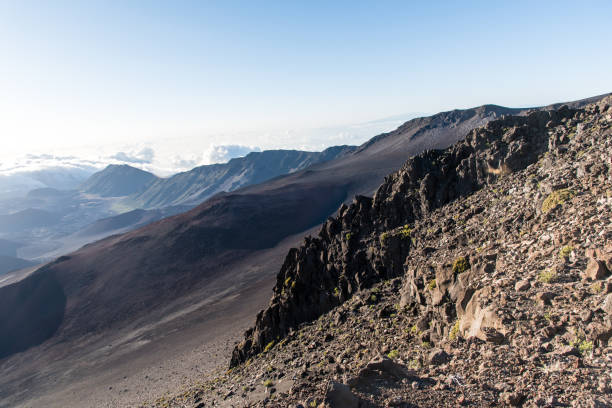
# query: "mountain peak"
{"type": "Point", "coordinates": [118, 180]}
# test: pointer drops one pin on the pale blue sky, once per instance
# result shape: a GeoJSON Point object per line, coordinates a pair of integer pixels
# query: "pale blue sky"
{"type": "Point", "coordinates": [90, 72]}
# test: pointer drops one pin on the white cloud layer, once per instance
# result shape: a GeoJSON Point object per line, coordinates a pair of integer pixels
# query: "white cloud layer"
{"type": "Point", "coordinates": [66, 169]}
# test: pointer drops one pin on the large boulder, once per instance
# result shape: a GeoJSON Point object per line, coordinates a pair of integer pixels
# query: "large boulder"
{"type": "Point", "coordinates": [480, 319]}
{"type": "Point", "coordinates": [339, 395]}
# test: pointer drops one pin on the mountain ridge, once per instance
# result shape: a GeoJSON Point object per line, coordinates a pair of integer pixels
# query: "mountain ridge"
{"type": "Point", "coordinates": [198, 184]}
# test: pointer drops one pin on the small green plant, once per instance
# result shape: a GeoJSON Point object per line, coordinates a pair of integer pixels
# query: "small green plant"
{"type": "Point", "coordinates": [548, 316]}
{"type": "Point", "coordinates": [414, 330]}
{"type": "Point", "coordinates": [582, 344]}
{"type": "Point", "coordinates": [460, 265]}
{"type": "Point", "coordinates": [426, 345]}
{"type": "Point", "coordinates": [313, 403]}
{"type": "Point", "coordinates": [405, 232]}
{"type": "Point", "coordinates": [383, 237]}
{"type": "Point", "coordinates": [288, 281]}
{"type": "Point", "coordinates": [373, 298]}
{"type": "Point", "coordinates": [336, 292]}
{"type": "Point", "coordinates": [565, 252]}
{"type": "Point", "coordinates": [393, 354]}
{"type": "Point", "coordinates": [454, 331]}
{"type": "Point", "coordinates": [414, 364]}
{"type": "Point", "coordinates": [268, 383]}
{"type": "Point", "coordinates": [269, 346]}
{"type": "Point", "coordinates": [556, 198]}
{"type": "Point", "coordinates": [431, 285]}
{"type": "Point", "coordinates": [548, 276]}
{"type": "Point", "coordinates": [348, 236]}
{"type": "Point", "coordinates": [596, 288]}
{"type": "Point", "coordinates": [585, 347]}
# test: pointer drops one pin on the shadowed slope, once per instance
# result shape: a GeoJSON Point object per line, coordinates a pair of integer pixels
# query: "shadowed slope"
{"type": "Point", "coordinates": [41, 303]}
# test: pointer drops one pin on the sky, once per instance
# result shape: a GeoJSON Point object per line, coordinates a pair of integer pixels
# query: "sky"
{"type": "Point", "coordinates": [172, 84]}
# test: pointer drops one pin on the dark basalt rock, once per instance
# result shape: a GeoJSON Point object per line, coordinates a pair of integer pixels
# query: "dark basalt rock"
{"type": "Point", "coordinates": [369, 240]}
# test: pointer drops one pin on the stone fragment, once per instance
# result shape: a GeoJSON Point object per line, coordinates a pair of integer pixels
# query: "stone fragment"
{"type": "Point", "coordinates": [339, 395]}
{"type": "Point", "coordinates": [437, 357]}
{"type": "Point", "coordinates": [522, 285]}
{"type": "Point", "coordinates": [512, 398]}
{"type": "Point", "coordinates": [595, 270]}
{"type": "Point", "coordinates": [544, 298]}
{"type": "Point", "coordinates": [568, 351]}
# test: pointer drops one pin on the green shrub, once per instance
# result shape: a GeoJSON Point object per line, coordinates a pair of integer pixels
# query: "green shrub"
{"type": "Point", "coordinates": [580, 342]}
{"type": "Point", "coordinates": [414, 364]}
{"type": "Point", "coordinates": [585, 347]}
{"type": "Point", "coordinates": [556, 198]}
{"type": "Point", "coordinates": [269, 346]}
{"type": "Point", "coordinates": [460, 265]}
{"type": "Point", "coordinates": [268, 383]}
{"type": "Point", "coordinates": [287, 281]}
{"type": "Point", "coordinates": [454, 331]}
{"type": "Point", "coordinates": [393, 354]}
{"type": "Point", "coordinates": [348, 236]}
{"type": "Point", "coordinates": [431, 285]}
{"type": "Point", "coordinates": [547, 276]}
{"type": "Point", "coordinates": [565, 252]}
{"type": "Point", "coordinates": [383, 237]}
{"type": "Point", "coordinates": [405, 232]}
{"type": "Point", "coordinates": [596, 288]}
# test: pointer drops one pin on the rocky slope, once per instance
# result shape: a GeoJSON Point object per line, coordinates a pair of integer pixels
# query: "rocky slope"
{"type": "Point", "coordinates": [478, 275]}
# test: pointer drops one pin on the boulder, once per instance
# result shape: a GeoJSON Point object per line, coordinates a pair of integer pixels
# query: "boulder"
{"type": "Point", "coordinates": [339, 395]}
{"type": "Point", "coordinates": [478, 317]}
{"type": "Point", "coordinates": [607, 305]}
{"type": "Point", "coordinates": [595, 270]}
{"type": "Point", "coordinates": [438, 357]}
{"type": "Point", "coordinates": [385, 365]}
{"type": "Point", "coordinates": [522, 285]}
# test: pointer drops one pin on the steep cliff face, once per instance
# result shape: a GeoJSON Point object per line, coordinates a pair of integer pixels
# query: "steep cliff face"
{"type": "Point", "coordinates": [370, 239]}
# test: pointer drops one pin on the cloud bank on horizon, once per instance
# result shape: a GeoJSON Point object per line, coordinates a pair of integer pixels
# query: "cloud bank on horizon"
{"type": "Point", "coordinates": [68, 169]}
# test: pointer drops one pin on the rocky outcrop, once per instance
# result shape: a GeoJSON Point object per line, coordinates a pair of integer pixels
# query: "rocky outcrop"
{"type": "Point", "coordinates": [370, 239]}
{"type": "Point", "coordinates": [489, 306]}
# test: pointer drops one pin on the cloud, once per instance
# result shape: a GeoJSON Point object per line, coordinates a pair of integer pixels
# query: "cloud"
{"type": "Point", "coordinates": [144, 156]}
{"type": "Point", "coordinates": [223, 153]}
